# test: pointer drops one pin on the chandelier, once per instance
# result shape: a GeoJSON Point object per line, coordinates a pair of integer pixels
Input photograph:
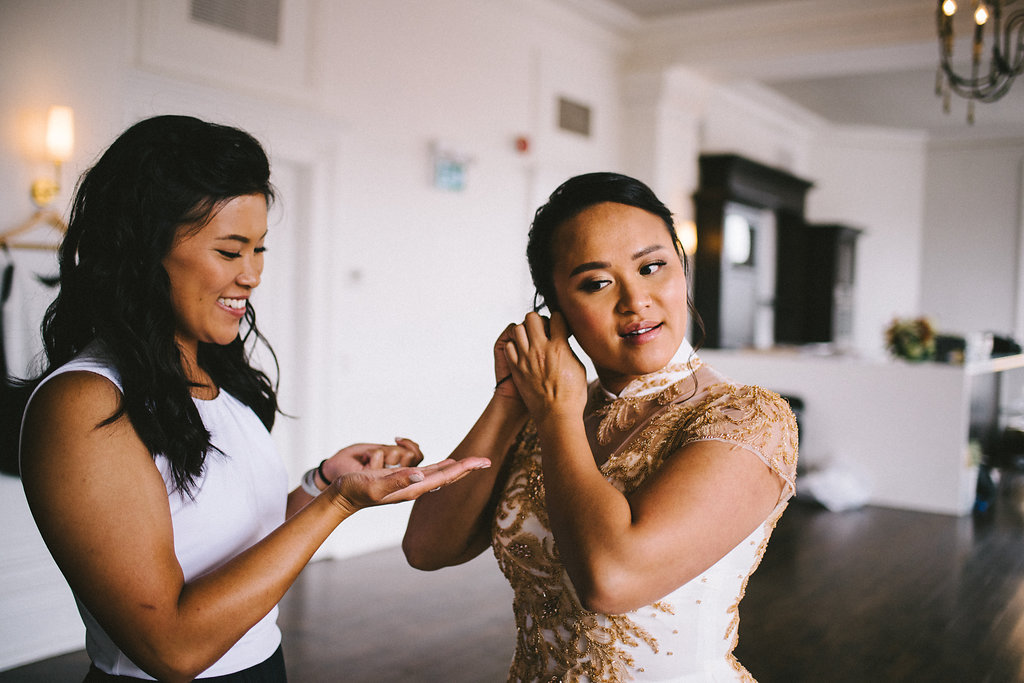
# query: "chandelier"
{"type": "Point", "coordinates": [1005, 58]}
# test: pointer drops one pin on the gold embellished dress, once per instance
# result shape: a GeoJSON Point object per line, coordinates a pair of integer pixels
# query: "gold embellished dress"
{"type": "Point", "coordinates": [688, 635]}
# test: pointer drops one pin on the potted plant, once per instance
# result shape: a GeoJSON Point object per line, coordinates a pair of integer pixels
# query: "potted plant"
{"type": "Point", "coordinates": [911, 338]}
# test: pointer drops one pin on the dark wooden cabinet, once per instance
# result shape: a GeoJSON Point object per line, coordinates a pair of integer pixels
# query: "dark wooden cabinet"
{"type": "Point", "coordinates": [814, 288]}
{"type": "Point", "coordinates": [727, 180]}
{"type": "Point", "coordinates": [810, 299]}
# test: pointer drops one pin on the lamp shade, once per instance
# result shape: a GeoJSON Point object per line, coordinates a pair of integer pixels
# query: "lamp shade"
{"type": "Point", "coordinates": [687, 233]}
{"type": "Point", "coordinates": [60, 133]}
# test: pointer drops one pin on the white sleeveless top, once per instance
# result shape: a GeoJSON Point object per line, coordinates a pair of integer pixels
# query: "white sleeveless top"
{"type": "Point", "coordinates": [238, 500]}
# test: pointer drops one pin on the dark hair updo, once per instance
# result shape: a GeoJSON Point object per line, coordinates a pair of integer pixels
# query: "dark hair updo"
{"type": "Point", "coordinates": [567, 202]}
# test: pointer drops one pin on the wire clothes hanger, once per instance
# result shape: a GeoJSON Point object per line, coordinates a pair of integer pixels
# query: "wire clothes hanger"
{"type": "Point", "coordinates": [42, 216]}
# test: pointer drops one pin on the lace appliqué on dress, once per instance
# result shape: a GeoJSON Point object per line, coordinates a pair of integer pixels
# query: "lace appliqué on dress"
{"type": "Point", "coordinates": [622, 413]}
{"type": "Point", "coordinates": [559, 640]}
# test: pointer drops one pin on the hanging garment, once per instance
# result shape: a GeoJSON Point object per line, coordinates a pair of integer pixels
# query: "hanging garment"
{"type": "Point", "coordinates": [28, 283]}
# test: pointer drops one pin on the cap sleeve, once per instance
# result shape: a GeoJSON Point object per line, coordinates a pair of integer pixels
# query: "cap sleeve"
{"type": "Point", "coordinates": [751, 417]}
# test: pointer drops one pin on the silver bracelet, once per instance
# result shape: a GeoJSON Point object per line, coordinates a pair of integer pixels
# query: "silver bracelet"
{"type": "Point", "coordinates": [308, 483]}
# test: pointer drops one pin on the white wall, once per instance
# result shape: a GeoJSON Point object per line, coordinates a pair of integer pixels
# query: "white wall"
{"type": "Point", "coordinates": [874, 180]}
{"type": "Point", "coordinates": [971, 236]}
{"type": "Point", "coordinates": [429, 278]}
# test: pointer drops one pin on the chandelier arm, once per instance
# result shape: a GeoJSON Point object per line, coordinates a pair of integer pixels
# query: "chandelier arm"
{"type": "Point", "coordinates": [984, 88]}
{"type": "Point", "coordinates": [1013, 52]}
{"type": "Point", "coordinates": [1005, 58]}
{"type": "Point", "coordinates": [976, 86]}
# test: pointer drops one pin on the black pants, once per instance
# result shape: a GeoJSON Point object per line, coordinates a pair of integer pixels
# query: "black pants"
{"type": "Point", "coordinates": [270, 670]}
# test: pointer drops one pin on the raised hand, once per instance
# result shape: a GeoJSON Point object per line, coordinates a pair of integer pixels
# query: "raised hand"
{"type": "Point", "coordinates": [547, 374]}
{"type": "Point", "coordinates": [503, 384]}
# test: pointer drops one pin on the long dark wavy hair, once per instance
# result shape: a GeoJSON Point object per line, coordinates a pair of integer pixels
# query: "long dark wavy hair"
{"type": "Point", "coordinates": [567, 202]}
{"type": "Point", "coordinates": [162, 175]}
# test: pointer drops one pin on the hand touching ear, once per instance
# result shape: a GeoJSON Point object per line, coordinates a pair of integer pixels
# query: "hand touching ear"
{"type": "Point", "coordinates": [503, 384]}
{"type": "Point", "coordinates": [547, 374]}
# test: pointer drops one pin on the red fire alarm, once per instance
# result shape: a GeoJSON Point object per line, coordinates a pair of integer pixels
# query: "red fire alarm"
{"type": "Point", "coordinates": [522, 144]}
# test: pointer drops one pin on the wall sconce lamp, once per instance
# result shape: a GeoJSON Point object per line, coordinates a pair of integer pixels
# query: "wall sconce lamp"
{"type": "Point", "coordinates": [687, 235]}
{"type": "Point", "coordinates": [60, 140]}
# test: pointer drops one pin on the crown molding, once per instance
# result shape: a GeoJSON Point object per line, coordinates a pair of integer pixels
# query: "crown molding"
{"type": "Point", "coordinates": [721, 38]}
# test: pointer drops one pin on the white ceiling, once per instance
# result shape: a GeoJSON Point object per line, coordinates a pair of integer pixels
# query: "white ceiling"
{"type": "Point", "coordinates": [659, 8]}
{"type": "Point", "coordinates": [853, 62]}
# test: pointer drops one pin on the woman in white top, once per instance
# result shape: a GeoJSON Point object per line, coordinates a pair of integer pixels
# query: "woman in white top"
{"type": "Point", "coordinates": [145, 449]}
{"type": "Point", "coordinates": [628, 514]}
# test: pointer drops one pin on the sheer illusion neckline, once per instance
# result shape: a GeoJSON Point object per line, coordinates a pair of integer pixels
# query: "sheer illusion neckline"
{"type": "Point", "coordinates": [621, 412]}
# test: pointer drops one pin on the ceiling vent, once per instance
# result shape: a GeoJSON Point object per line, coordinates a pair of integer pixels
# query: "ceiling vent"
{"type": "Point", "coordinates": [259, 19]}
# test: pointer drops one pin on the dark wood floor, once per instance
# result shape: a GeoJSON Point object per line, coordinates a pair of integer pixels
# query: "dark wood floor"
{"type": "Point", "coordinates": [862, 596]}
{"type": "Point", "coordinates": [887, 595]}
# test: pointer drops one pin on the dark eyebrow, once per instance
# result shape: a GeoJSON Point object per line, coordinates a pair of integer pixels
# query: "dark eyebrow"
{"type": "Point", "coordinates": [647, 250]}
{"type": "Point", "coordinates": [597, 265]}
{"type": "Point", "coordinates": [589, 265]}
{"type": "Point", "coordinates": [238, 238]}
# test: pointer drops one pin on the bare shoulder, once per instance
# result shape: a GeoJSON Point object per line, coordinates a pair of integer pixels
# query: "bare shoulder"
{"type": "Point", "coordinates": [67, 439]}
{"type": "Point", "coordinates": [84, 392]}
{"type": "Point", "coordinates": [65, 410]}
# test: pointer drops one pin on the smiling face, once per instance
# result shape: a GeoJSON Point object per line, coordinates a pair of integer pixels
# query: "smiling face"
{"type": "Point", "coordinates": [622, 289]}
{"type": "Point", "coordinates": [214, 270]}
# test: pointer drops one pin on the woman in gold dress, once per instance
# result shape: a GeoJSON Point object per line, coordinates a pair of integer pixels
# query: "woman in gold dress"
{"type": "Point", "coordinates": [627, 514]}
